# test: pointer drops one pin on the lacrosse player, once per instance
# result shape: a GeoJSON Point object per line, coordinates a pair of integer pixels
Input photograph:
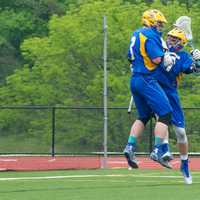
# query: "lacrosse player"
{"type": "Point", "coordinates": [168, 80]}
{"type": "Point", "coordinates": [146, 54]}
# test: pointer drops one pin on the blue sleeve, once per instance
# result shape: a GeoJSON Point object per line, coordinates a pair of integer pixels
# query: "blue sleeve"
{"type": "Point", "coordinates": [183, 64]}
{"type": "Point", "coordinates": [186, 63]}
{"type": "Point", "coordinates": [153, 49]}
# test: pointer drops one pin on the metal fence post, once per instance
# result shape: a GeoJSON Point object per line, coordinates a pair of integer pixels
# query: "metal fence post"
{"type": "Point", "coordinates": [53, 132]}
{"type": "Point", "coordinates": [105, 95]}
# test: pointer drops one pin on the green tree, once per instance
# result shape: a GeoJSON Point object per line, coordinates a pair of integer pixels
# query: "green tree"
{"type": "Point", "coordinates": [65, 67]}
{"type": "Point", "coordinates": [20, 20]}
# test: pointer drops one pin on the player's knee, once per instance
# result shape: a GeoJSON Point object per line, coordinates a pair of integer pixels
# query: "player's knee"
{"type": "Point", "coordinates": [180, 135]}
{"type": "Point", "coordinates": [165, 119]}
{"type": "Point", "coordinates": [144, 120]}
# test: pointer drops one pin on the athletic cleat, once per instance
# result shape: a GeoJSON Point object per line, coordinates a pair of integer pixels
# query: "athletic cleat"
{"type": "Point", "coordinates": [159, 156]}
{"type": "Point", "coordinates": [130, 156]}
{"type": "Point", "coordinates": [167, 156]}
{"type": "Point", "coordinates": [185, 171]}
{"type": "Point", "coordinates": [164, 163]}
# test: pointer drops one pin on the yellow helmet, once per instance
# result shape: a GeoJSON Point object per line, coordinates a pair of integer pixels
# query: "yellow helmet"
{"type": "Point", "coordinates": [151, 17]}
{"type": "Point", "coordinates": [180, 34]}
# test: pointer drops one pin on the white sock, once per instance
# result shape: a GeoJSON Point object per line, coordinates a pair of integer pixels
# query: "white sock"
{"type": "Point", "coordinates": [165, 141]}
{"type": "Point", "coordinates": [184, 157]}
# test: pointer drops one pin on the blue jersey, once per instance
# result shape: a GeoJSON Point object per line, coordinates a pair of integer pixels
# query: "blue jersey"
{"type": "Point", "coordinates": [169, 82]}
{"type": "Point", "coordinates": [172, 78]}
{"type": "Point", "coordinates": [145, 45]}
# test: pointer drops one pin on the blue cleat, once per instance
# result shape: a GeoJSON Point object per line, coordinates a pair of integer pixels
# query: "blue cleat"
{"type": "Point", "coordinates": [161, 157]}
{"type": "Point", "coordinates": [130, 156]}
{"type": "Point", "coordinates": [167, 156]}
{"type": "Point", "coordinates": [185, 171]}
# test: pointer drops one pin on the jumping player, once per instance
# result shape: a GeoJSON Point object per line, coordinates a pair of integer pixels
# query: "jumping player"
{"type": "Point", "coordinates": [168, 80]}
{"type": "Point", "coordinates": [146, 54]}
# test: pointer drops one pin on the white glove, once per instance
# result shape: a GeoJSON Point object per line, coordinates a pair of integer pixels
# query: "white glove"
{"type": "Point", "coordinates": [196, 54]}
{"type": "Point", "coordinates": [169, 60]}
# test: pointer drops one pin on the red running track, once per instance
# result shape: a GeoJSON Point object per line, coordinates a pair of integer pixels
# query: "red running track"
{"type": "Point", "coordinates": [31, 163]}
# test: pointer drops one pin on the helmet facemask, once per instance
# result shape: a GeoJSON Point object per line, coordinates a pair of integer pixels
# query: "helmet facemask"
{"type": "Point", "coordinates": [174, 43]}
{"type": "Point", "coordinates": [176, 39]}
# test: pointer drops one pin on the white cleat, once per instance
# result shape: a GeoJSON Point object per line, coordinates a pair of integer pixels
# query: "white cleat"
{"type": "Point", "coordinates": [188, 180]}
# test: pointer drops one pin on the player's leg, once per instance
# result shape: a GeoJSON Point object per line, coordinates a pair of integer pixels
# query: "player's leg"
{"type": "Point", "coordinates": [159, 103]}
{"type": "Point", "coordinates": [129, 151]}
{"type": "Point", "coordinates": [179, 128]}
{"type": "Point", "coordinates": [166, 148]}
{"type": "Point", "coordinates": [138, 126]}
{"type": "Point", "coordinates": [182, 143]}
{"type": "Point", "coordinates": [161, 152]}
{"type": "Point", "coordinates": [136, 131]}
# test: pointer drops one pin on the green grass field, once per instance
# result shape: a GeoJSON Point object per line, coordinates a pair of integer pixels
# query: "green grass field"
{"type": "Point", "coordinates": [119, 184]}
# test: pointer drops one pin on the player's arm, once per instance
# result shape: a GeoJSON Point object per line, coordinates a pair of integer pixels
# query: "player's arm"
{"type": "Point", "coordinates": [153, 51]}
{"type": "Point", "coordinates": [158, 56]}
{"type": "Point", "coordinates": [157, 60]}
{"type": "Point", "coordinates": [196, 60]}
{"type": "Point", "coordinates": [194, 68]}
{"type": "Point", "coordinates": [192, 64]}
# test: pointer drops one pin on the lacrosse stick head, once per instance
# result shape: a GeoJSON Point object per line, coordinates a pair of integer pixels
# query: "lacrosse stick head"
{"type": "Point", "coordinates": [184, 23]}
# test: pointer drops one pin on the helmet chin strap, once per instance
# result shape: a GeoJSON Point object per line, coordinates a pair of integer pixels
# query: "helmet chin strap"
{"type": "Point", "coordinates": [176, 48]}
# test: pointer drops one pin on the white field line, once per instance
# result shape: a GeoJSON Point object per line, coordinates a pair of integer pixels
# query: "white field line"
{"type": "Point", "coordinates": [86, 176]}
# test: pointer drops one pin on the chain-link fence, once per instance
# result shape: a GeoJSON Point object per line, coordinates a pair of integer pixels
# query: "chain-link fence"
{"type": "Point", "coordinates": [75, 130]}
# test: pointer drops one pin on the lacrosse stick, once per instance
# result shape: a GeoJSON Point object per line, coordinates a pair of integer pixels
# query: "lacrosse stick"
{"type": "Point", "coordinates": [184, 23]}
{"type": "Point", "coordinates": [131, 100]}
{"type": "Point", "coordinates": [130, 105]}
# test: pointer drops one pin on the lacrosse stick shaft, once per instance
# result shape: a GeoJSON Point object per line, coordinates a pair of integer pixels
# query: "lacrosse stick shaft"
{"type": "Point", "coordinates": [130, 105]}
{"type": "Point", "coordinates": [190, 43]}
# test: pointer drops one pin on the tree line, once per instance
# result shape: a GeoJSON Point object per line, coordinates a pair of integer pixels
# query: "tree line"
{"type": "Point", "coordinates": [51, 54]}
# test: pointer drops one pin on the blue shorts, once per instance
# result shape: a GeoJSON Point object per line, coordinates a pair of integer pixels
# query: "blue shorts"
{"type": "Point", "coordinates": [177, 112]}
{"type": "Point", "coordinates": [148, 96]}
